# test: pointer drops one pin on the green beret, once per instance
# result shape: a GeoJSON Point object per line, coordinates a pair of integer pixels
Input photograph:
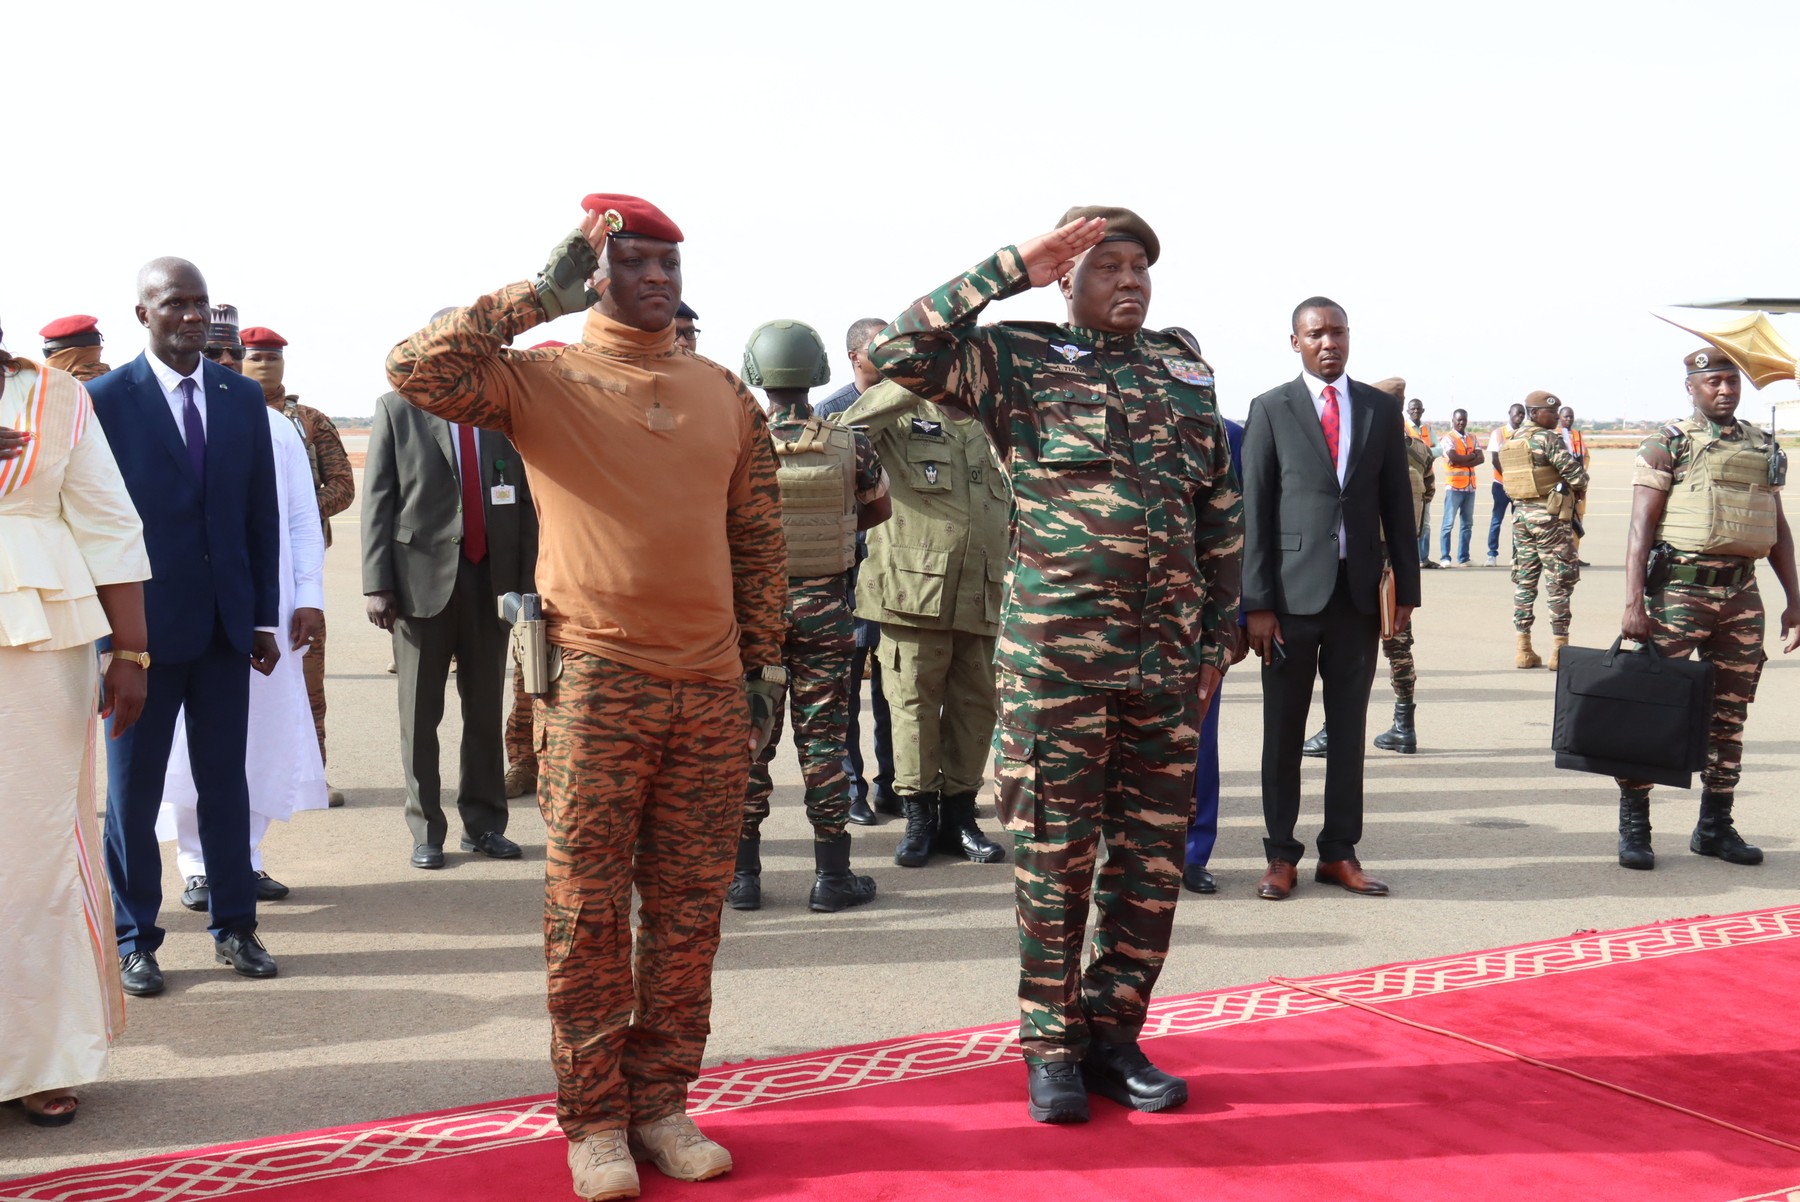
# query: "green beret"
{"type": "Point", "coordinates": [1122, 225]}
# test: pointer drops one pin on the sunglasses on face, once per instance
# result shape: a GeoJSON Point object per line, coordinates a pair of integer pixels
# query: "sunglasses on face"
{"type": "Point", "coordinates": [215, 353]}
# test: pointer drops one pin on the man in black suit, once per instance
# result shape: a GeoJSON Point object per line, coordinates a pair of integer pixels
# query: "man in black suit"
{"type": "Point", "coordinates": [1324, 477]}
{"type": "Point", "coordinates": [448, 525]}
{"type": "Point", "coordinates": [192, 442]}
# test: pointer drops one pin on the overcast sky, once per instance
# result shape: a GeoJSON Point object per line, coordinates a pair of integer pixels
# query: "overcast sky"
{"type": "Point", "coordinates": [1498, 194]}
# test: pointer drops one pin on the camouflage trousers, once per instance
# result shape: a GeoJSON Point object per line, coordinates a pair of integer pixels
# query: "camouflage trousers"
{"type": "Point", "coordinates": [519, 751]}
{"type": "Point", "coordinates": [1401, 670]}
{"type": "Point", "coordinates": [940, 692]}
{"type": "Point", "coordinates": [1079, 766]}
{"type": "Point", "coordinates": [312, 666]}
{"type": "Point", "coordinates": [816, 653]}
{"type": "Point", "coordinates": [1543, 547]}
{"type": "Point", "coordinates": [1726, 627]}
{"type": "Point", "coordinates": [641, 782]}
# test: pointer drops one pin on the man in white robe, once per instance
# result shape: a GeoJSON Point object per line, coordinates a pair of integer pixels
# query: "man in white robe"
{"type": "Point", "coordinates": [282, 760]}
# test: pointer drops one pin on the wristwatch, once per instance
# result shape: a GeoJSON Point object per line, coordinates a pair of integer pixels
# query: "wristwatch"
{"type": "Point", "coordinates": [773, 673]}
{"type": "Point", "coordinates": [140, 658]}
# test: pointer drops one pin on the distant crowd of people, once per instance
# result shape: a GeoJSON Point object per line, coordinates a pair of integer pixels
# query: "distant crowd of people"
{"type": "Point", "coordinates": [1037, 540]}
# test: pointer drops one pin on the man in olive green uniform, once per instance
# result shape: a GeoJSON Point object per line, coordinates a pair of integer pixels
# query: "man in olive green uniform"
{"type": "Point", "coordinates": [1708, 487]}
{"type": "Point", "coordinates": [1119, 620]}
{"type": "Point", "coordinates": [831, 485]}
{"type": "Point", "coordinates": [1544, 483]}
{"type": "Point", "coordinates": [933, 580]}
{"type": "Point", "coordinates": [334, 484]}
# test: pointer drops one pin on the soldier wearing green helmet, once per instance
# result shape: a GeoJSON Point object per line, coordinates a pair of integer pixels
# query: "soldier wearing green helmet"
{"type": "Point", "coordinates": [832, 485]}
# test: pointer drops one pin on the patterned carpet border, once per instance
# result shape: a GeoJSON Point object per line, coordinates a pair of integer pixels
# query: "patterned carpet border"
{"type": "Point", "coordinates": [245, 1168]}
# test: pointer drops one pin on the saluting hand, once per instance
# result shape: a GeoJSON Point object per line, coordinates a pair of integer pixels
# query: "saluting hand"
{"type": "Point", "coordinates": [1049, 257]}
{"type": "Point", "coordinates": [593, 228]}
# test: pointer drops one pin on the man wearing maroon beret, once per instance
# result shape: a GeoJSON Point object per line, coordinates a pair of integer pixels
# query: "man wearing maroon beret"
{"type": "Point", "coordinates": [334, 483]}
{"type": "Point", "coordinates": [72, 344]}
{"type": "Point", "coordinates": [663, 572]}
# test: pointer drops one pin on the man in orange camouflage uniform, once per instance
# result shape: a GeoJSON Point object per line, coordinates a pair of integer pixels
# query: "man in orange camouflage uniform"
{"type": "Point", "coordinates": [72, 344]}
{"type": "Point", "coordinates": [663, 574]}
{"type": "Point", "coordinates": [334, 484]}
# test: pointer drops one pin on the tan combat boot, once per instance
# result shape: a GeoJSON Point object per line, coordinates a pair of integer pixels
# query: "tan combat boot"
{"type": "Point", "coordinates": [602, 1168]}
{"type": "Point", "coordinates": [1526, 658]}
{"type": "Point", "coordinates": [1562, 640]}
{"type": "Point", "coordinates": [679, 1149]}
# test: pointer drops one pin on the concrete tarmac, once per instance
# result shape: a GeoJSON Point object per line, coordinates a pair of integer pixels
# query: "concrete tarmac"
{"type": "Point", "coordinates": [404, 991]}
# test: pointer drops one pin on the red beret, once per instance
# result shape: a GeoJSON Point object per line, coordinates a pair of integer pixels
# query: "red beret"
{"type": "Point", "coordinates": [68, 327]}
{"type": "Point", "coordinates": [642, 219]}
{"type": "Point", "coordinates": [547, 345]}
{"type": "Point", "coordinates": [262, 338]}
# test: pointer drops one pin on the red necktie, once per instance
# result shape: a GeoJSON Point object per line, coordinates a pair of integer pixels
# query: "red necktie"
{"type": "Point", "coordinates": [475, 519]}
{"type": "Point", "coordinates": [1330, 422]}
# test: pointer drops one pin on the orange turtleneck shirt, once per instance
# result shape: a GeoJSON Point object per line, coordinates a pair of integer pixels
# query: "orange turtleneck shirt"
{"type": "Point", "coordinates": [654, 478]}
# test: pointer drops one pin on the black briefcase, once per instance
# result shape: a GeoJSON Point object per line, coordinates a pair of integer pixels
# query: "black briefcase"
{"type": "Point", "coordinates": [1633, 714]}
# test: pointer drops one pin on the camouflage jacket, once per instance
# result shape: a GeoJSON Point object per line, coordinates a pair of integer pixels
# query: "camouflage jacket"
{"type": "Point", "coordinates": [333, 479]}
{"type": "Point", "coordinates": [1549, 450]}
{"type": "Point", "coordinates": [1129, 529]}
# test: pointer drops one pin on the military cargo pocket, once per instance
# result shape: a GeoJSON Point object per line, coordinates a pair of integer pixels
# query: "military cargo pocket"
{"type": "Point", "coordinates": [995, 589]}
{"type": "Point", "coordinates": [928, 465]}
{"type": "Point", "coordinates": [1015, 766]}
{"type": "Point", "coordinates": [1196, 438]}
{"type": "Point", "coordinates": [1071, 425]}
{"type": "Point", "coordinates": [562, 919]}
{"type": "Point", "coordinates": [912, 581]}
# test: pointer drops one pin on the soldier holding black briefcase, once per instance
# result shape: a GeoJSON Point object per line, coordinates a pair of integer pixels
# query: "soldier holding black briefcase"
{"type": "Point", "coordinates": [1706, 497]}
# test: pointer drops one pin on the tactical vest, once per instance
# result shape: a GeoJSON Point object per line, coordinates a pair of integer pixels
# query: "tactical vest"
{"type": "Point", "coordinates": [1460, 478]}
{"type": "Point", "coordinates": [1522, 479]}
{"type": "Point", "coordinates": [817, 474]}
{"type": "Point", "coordinates": [1723, 505]}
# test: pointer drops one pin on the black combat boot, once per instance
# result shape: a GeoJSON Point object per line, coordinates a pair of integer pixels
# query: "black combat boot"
{"type": "Point", "coordinates": [1634, 831]}
{"type": "Point", "coordinates": [921, 828]}
{"type": "Point", "coordinates": [834, 885]}
{"type": "Point", "coordinates": [957, 834]}
{"type": "Point", "coordinates": [1715, 836]}
{"type": "Point", "coordinates": [1055, 1093]}
{"type": "Point", "coordinates": [746, 883]}
{"type": "Point", "coordinates": [1315, 746]}
{"type": "Point", "coordinates": [1401, 736]}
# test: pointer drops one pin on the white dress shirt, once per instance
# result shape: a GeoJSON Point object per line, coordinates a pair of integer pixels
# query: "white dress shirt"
{"type": "Point", "coordinates": [170, 379]}
{"type": "Point", "coordinates": [1316, 386]}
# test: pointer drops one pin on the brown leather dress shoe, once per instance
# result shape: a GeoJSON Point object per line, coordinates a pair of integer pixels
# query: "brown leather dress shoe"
{"type": "Point", "coordinates": [1350, 875]}
{"type": "Point", "coordinates": [1278, 882]}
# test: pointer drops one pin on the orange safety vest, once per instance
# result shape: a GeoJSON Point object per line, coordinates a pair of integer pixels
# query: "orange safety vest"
{"type": "Point", "coordinates": [1461, 478]}
{"type": "Point", "coordinates": [1577, 447]}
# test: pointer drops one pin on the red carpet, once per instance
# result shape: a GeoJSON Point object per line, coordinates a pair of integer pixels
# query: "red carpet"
{"type": "Point", "coordinates": [1298, 1093]}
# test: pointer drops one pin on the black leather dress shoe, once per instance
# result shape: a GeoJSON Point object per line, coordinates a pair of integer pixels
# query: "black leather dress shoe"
{"type": "Point", "coordinates": [1054, 1092]}
{"type": "Point", "coordinates": [861, 814]}
{"type": "Point", "coordinates": [1196, 879]}
{"type": "Point", "coordinates": [888, 802]}
{"type": "Point", "coordinates": [245, 953]}
{"type": "Point", "coordinates": [427, 855]}
{"type": "Point", "coordinates": [1122, 1072]}
{"type": "Point", "coordinates": [140, 974]}
{"type": "Point", "coordinates": [196, 896]}
{"type": "Point", "coordinates": [268, 888]}
{"type": "Point", "coordinates": [493, 845]}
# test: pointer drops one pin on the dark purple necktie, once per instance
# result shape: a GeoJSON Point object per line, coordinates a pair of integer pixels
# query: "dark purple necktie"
{"type": "Point", "coordinates": [196, 433]}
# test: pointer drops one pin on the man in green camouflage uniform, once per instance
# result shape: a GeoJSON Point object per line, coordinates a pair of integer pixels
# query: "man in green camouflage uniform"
{"type": "Point", "coordinates": [933, 580]}
{"type": "Point", "coordinates": [832, 485]}
{"type": "Point", "coordinates": [1544, 482]}
{"type": "Point", "coordinates": [1119, 619]}
{"type": "Point", "coordinates": [1703, 486]}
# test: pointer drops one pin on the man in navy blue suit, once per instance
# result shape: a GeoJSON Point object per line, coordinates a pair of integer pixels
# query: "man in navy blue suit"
{"type": "Point", "coordinates": [192, 441]}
